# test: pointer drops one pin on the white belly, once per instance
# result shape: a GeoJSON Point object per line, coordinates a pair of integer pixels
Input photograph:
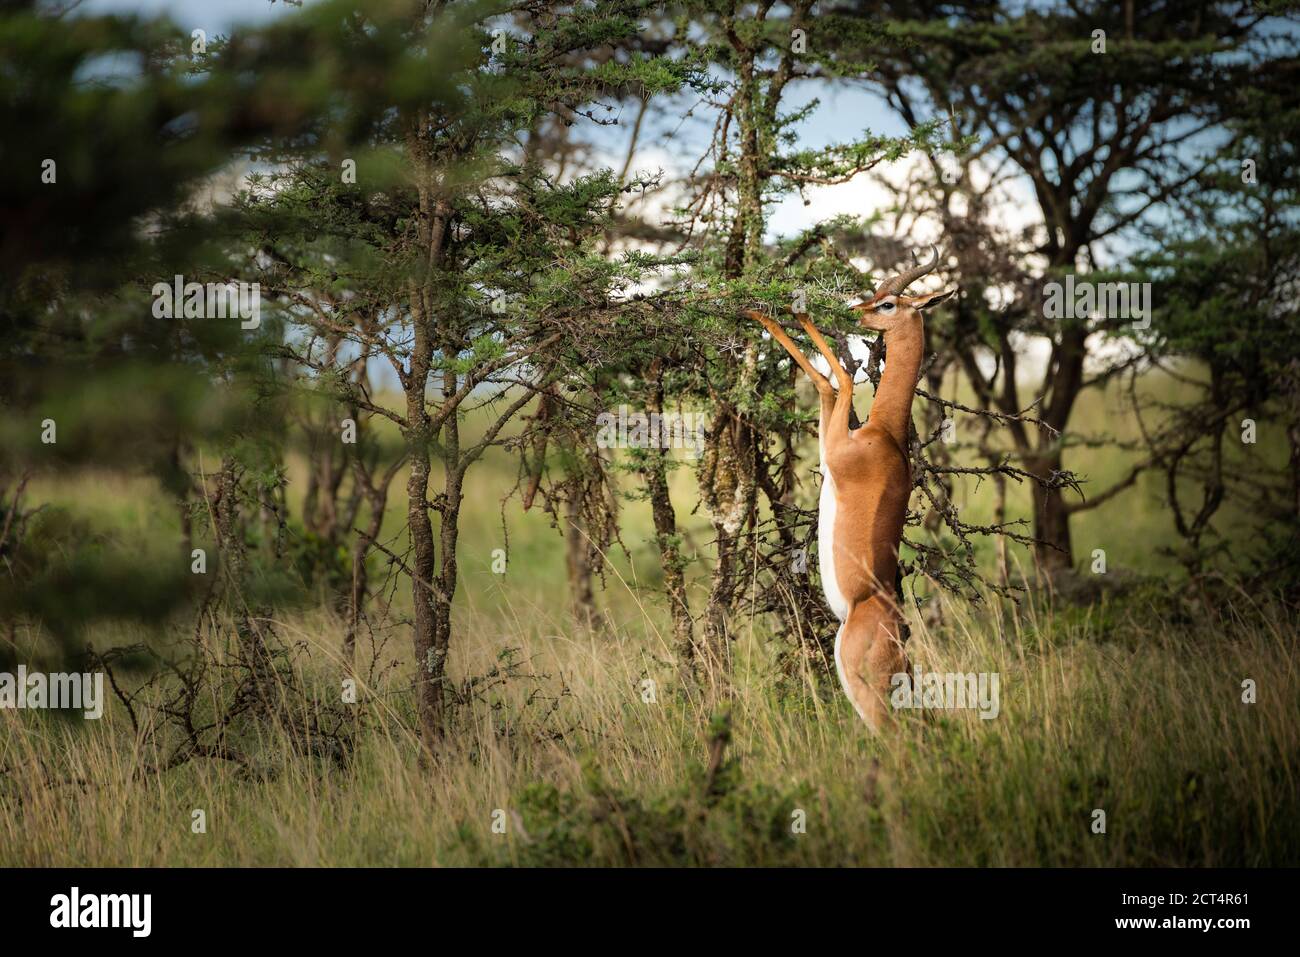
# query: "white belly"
{"type": "Point", "coordinates": [826, 546]}
{"type": "Point", "coordinates": [839, 670]}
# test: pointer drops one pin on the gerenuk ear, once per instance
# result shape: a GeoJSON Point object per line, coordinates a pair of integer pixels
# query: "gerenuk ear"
{"type": "Point", "coordinates": [925, 302]}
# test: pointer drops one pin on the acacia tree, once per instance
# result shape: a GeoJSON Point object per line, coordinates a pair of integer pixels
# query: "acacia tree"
{"type": "Point", "coordinates": [464, 268]}
{"type": "Point", "coordinates": [754, 158]}
{"type": "Point", "coordinates": [1106, 116]}
{"type": "Point", "coordinates": [1228, 267]}
{"type": "Point", "coordinates": [699, 353]}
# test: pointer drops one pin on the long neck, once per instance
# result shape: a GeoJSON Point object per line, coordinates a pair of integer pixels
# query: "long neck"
{"type": "Point", "coordinates": [892, 407]}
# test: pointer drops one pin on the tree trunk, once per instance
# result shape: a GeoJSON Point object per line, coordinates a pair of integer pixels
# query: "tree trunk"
{"type": "Point", "coordinates": [423, 565]}
{"type": "Point", "coordinates": [722, 588]}
{"type": "Point", "coordinates": [577, 558]}
{"type": "Point", "coordinates": [666, 538]}
{"type": "Point", "coordinates": [1051, 521]}
{"type": "Point", "coordinates": [430, 648]}
{"type": "Point", "coordinates": [230, 543]}
{"type": "Point", "coordinates": [1000, 519]}
{"type": "Point", "coordinates": [449, 534]}
{"type": "Point", "coordinates": [234, 569]}
{"type": "Point", "coordinates": [670, 555]}
{"type": "Point", "coordinates": [728, 492]}
{"type": "Point", "coordinates": [360, 579]}
{"type": "Point", "coordinates": [1051, 516]}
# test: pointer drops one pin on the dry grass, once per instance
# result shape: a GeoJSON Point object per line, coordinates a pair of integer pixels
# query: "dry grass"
{"type": "Point", "coordinates": [1118, 707]}
{"type": "Point", "coordinates": [1131, 705]}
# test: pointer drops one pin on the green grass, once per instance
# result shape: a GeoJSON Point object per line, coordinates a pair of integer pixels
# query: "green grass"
{"type": "Point", "coordinates": [1131, 705]}
{"type": "Point", "coordinates": [1138, 718]}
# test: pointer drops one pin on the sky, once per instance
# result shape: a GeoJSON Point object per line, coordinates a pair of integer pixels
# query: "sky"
{"type": "Point", "coordinates": [210, 15]}
{"type": "Point", "coordinates": [846, 112]}
{"type": "Point", "coordinates": [844, 115]}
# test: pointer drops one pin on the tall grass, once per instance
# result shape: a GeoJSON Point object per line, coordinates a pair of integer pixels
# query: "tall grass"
{"type": "Point", "coordinates": [1133, 707]}
{"type": "Point", "coordinates": [577, 747]}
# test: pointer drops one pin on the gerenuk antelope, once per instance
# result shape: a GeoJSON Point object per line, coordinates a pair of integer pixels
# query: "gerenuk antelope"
{"type": "Point", "coordinates": [866, 482]}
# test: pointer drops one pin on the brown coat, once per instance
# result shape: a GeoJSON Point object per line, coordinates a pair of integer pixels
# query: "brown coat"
{"type": "Point", "coordinates": [870, 483]}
